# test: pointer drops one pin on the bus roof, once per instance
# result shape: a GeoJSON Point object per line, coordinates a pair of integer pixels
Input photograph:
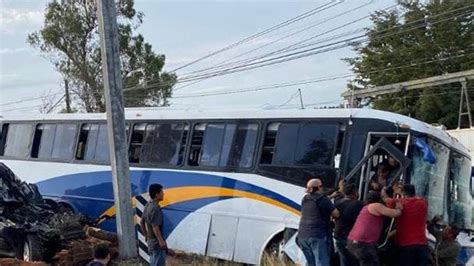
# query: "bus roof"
{"type": "Point", "coordinates": [166, 113]}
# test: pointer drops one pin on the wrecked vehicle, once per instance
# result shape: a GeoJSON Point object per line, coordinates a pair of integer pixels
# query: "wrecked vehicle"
{"type": "Point", "coordinates": [32, 228]}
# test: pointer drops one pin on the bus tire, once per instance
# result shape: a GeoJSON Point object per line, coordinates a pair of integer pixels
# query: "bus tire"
{"type": "Point", "coordinates": [32, 249]}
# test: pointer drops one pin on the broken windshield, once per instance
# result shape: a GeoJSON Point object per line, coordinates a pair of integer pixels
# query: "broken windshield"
{"type": "Point", "coordinates": [460, 207]}
{"type": "Point", "coordinates": [429, 179]}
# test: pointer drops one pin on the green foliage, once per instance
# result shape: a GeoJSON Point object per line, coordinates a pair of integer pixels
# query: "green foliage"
{"type": "Point", "coordinates": [70, 39]}
{"type": "Point", "coordinates": [434, 43]}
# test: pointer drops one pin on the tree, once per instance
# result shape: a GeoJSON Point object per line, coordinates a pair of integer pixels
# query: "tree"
{"type": "Point", "coordinates": [429, 38]}
{"type": "Point", "coordinates": [70, 39]}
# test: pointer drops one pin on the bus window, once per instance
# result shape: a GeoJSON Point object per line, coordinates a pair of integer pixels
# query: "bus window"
{"type": "Point", "coordinates": [269, 141]}
{"type": "Point", "coordinates": [242, 147]}
{"type": "Point", "coordinates": [3, 135]}
{"type": "Point", "coordinates": [43, 141]}
{"type": "Point", "coordinates": [212, 144]}
{"type": "Point", "coordinates": [53, 141]}
{"type": "Point", "coordinates": [316, 143]}
{"type": "Point", "coordinates": [136, 142]}
{"type": "Point", "coordinates": [460, 200]}
{"type": "Point", "coordinates": [93, 144]}
{"type": "Point", "coordinates": [18, 140]}
{"type": "Point", "coordinates": [196, 144]}
{"type": "Point", "coordinates": [64, 139]}
{"type": "Point", "coordinates": [224, 145]}
{"type": "Point", "coordinates": [163, 143]}
{"type": "Point", "coordinates": [300, 144]}
{"type": "Point", "coordinates": [430, 179]}
{"type": "Point", "coordinates": [102, 147]}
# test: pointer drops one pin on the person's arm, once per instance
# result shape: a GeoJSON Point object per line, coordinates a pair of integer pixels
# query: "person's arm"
{"type": "Point", "coordinates": [155, 226]}
{"type": "Point", "coordinates": [329, 208]}
{"type": "Point", "coordinates": [143, 227]}
{"type": "Point", "coordinates": [380, 209]}
{"type": "Point", "coordinates": [159, 236]}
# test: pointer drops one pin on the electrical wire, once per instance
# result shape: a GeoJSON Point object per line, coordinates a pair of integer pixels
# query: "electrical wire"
{"type": "Point", "coordinates": [259, 34]}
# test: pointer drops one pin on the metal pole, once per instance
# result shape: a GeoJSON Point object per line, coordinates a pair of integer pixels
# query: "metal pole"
{"type": "Point", "coordinates": [301, 99]}
{"type": "Point", "coordinates": [116, 127]}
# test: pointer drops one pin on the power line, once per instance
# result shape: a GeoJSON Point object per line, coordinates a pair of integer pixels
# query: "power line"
{"type": "Point", "coordinates": [305, 53]}
{"type": "Point", "coordinates": [304, 82]}
{"type": "Point", "coordinates": [268, 30]}
{"type": "Point", "coordinates": [30, 99]}
{"type": "Point", "coordinates": [312, 25]}
{"type": "Point", "coordinates": [228, 71]}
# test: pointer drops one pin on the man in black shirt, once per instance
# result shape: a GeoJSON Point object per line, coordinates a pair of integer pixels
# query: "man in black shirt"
{"type": "Point", "coordinates": [349, 208]}
{"type": "Point", "coordinates": [152, 226]}
{"type": "Point", "coordinates": [314, 232]}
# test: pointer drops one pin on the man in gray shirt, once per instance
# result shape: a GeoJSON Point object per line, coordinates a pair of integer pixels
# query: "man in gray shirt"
{"type": "Point", "coordinates": [152, 226]}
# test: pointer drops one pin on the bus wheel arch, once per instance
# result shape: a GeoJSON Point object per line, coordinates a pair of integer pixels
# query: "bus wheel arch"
{"type": "Point", "coordinates": [274, 246]}
{"type": "Point", "coordinates": [65, 207]}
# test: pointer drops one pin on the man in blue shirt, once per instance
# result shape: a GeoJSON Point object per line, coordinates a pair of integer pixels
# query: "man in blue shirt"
{"type": "Point", "coordinates": [314, 233]}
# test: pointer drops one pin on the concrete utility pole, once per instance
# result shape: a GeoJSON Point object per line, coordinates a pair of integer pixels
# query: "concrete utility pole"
{"type": "Point", "coordinates": [301, 99]}
{"type": "Point", "coordinates": [67, 98]}
{"type": "Point", "coordinates": [116, 127]}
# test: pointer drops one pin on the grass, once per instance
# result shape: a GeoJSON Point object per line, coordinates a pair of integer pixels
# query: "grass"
{"type": "Point", "coordinates": [197, 260]}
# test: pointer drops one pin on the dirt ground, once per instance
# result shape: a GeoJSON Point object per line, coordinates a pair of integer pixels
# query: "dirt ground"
{"type": "Point", "coordinates": [196, 260]}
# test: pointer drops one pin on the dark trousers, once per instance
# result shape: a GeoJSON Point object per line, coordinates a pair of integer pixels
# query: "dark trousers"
{"type": "Point", "coordinates": [415, 255]}
{"type": "Point", "coordinates": [345, 256]}
{"type": "Point", "coordinates": [366, 254]}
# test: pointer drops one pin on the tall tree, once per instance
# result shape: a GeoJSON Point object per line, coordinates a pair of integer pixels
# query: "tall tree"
{"type": "Point", "coordinates": [434, 41]}
{"type": "Point", "coordinates": [70, 39]}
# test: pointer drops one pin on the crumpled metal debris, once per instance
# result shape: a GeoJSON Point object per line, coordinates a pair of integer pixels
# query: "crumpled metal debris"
{"type": "Point", "coordinates": [25, 216]}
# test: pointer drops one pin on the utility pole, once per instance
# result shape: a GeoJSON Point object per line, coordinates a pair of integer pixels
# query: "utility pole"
{"type": "Point", "coordinates": [67, 98]}
{"type": "Point", "coordinates": [301, 99]}
{"type": "Point", "coordinates": [116, 127]}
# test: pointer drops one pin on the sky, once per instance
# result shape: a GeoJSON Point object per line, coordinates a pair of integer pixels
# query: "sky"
{"type": "Point", "coordinates": [185, 30]}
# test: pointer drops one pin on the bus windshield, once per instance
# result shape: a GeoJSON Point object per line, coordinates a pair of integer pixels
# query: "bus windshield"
{"type": "Point", "coordinates": [445, 184]}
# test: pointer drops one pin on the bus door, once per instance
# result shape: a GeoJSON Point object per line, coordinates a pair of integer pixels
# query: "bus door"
{"type": "Point", "coordinates": [382, 150]}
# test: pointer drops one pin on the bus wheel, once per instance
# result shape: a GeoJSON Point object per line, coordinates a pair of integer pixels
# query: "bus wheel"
{"type": "Point", "coordinates": [32, 250]}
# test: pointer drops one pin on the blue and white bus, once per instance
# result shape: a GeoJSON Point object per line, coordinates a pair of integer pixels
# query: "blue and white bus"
{"type": "Point", "coordinates": [234, 179]}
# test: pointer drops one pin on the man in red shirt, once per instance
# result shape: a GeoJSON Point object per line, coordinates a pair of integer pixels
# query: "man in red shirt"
{"type": "Point", "coordinates": [410, 233]}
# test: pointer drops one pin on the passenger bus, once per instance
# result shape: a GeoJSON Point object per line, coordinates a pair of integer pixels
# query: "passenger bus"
{"type": "Point", "coordinates": [234, 179]}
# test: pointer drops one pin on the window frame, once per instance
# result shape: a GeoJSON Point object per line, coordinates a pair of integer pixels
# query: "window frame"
{"type": "Point", "coordinates": [255, 155]}
{"type": "Point", "coordinates": [299, 122]}
{"type": "Point", "coordinates": [132, 123]}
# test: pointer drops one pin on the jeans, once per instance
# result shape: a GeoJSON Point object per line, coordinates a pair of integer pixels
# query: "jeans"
{"type": "Point", "coordinates": [366, 254]}
{"type": "Point", "coordinates": [415, 255]}
{"type": "Point", "coordinates": [345, 256]}
{"type": "Point", "coordinates": [158, 257]}
{"type": "Point", "coordinates": [315, 250]}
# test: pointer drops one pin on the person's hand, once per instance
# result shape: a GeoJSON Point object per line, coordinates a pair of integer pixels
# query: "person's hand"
{"type": "Point", "coordinates": [383, 193]}
{"type": "Point", "coordinates": [162, 244]}
{"type": "Point", "coordinates": [341, 185]}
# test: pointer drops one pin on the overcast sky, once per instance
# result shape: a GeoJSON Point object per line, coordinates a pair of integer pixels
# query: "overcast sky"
{"type": "Point", "coordinates": [187, 30]}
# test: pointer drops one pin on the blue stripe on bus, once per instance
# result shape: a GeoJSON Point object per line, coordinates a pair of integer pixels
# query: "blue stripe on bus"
{"type": "Point", "coordinates": [76, 188]}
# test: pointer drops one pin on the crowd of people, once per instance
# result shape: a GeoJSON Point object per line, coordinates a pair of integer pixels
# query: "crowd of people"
{"type": "Point", "coordinates": [357, 227]}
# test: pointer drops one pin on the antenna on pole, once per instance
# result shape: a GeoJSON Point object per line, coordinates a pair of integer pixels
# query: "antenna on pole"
{"type": "Point", "coordinates": [301, 98]}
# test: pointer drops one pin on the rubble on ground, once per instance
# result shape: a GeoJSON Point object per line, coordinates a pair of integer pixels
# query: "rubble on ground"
{"type": "Point", "coordinates": [35, 229]}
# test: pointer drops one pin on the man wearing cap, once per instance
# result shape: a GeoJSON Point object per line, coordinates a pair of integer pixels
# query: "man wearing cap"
{"type": "Point", "coordinates": [314, 233]}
